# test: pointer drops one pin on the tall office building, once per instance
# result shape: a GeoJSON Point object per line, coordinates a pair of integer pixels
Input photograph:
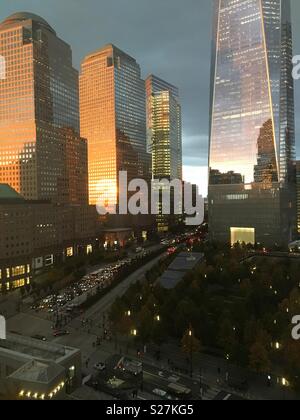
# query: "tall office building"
{"type": "Point", "coordinates": [164, 128]}
{"type": "Point", "coordinates": [298, 195]}
{"type": "Point", "coordinates": [113, 119]}
{"type": "Point", "coordinates": [38, 101]}
{"type": "Point", "coordinates": [252, 134]}
{"type": "Point", "coordinates": [164, 137]}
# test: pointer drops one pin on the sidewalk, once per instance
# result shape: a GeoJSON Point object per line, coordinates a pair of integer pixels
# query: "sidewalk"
{"type": "Point", "coordinates": [207, 371]}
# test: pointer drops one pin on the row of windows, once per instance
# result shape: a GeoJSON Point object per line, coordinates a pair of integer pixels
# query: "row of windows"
{"type": "Point", "coordinates": [14, 271]}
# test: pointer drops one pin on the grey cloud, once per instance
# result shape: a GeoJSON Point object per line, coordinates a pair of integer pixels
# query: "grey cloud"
{"type": "Point", "coordinates": [168, 37]}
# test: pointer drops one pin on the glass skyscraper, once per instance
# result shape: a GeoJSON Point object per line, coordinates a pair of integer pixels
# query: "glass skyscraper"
{"type": "Point", "coordinates": [252, 129]}
{"type": "Point", "coordinates": [113, 119]}
{"type": "Point", "coordinates": [164, 137]}
{"type": "Point", "coordinates": [164, 128]}
{"type": "Point", "coordinates": [39, 101]}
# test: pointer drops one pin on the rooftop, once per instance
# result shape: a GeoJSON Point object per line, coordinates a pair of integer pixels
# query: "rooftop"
{"type": "Point", "coordinates": [23, 16]}
{"type": "Point", "coordinates": [108, 48]}
{"type": "Point", "coordinates": [183, 263]}
{"type": "Point", "coordinates": [29, 348]}
{"type": "Point", "coordinates": [35, 371]}
{"type": "Point", "coordinates": [170, 279]}
{"type": "Point", "coordinates": [186, 261]}
{"type": "Point", "coordinates": [8, 193]}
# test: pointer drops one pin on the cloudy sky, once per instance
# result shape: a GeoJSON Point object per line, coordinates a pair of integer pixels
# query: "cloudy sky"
{"type": "Point", "coordinates": [170, 38]}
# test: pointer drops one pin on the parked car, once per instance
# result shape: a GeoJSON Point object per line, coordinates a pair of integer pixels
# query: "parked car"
{"type": "Point", "coordinates": [159, 393]}
{"type": "Point", "coordinates": [39, 337]}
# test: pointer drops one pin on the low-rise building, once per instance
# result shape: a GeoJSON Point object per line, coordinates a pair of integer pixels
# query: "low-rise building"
{"type": "Point", "coordinates": [35, 370]}
{"type": "Point", "coordinates": [36, 234]}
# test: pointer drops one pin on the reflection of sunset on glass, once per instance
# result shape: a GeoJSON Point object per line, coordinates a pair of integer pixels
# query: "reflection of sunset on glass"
{"type": "Point", "coordinates": [252, 133]}
{"type": "Point", "coordinates": [149, 203]}
{"type": "Point", "coordinates": [107, 192]}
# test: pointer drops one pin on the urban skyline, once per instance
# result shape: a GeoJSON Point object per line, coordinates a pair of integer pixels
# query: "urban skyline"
{"type": "Point", "coordinates": [118, 281]}
{"type": "Point", "coordinates": [165, 54]}
{"type": "Point", "coordinates": [39, 112]}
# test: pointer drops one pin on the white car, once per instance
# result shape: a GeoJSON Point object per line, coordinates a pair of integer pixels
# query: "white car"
{"type": "Point", "coordinates": [159, 393]}
{"type": "Point", "coordinates": [174, 379]}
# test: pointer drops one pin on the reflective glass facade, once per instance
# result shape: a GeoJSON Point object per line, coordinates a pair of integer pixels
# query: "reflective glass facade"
{"type": "Point", "coordinates": [298, 195]}
{"type": "Point", "coordinates": [252, 135]}
{"type": "Point", "coordinates": [38, 99]}
{"type": "Point", "coordinates": [113, 119]}
{"type": "Point", "coordinates": [164, 137]}
{"type": "Point", "coordinates": [164, 128]}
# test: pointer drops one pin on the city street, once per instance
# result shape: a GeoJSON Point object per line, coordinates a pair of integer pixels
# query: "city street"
{"type": "Point", "coordinates": [33, 324]}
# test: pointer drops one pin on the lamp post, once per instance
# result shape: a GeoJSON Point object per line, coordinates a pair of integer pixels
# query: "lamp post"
{"type": "Point", "coordinates": [128, 314]}
{"type": "Point", "coordinates": [191, 349]}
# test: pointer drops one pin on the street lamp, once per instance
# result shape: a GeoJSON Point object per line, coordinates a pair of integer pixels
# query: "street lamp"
{"type": "Point", "coordinates": [191, 349]}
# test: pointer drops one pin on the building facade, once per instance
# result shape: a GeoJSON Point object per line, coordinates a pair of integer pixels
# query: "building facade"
{"type": "Point", "coordinates": [252, 129]}
{"type": "Point", "coordinates": [38, 101]}
{"type": "Point", "coordinates": [164, 128]}
{"type": "Point", "coordinates": [298, 195]}
{"type": "Point", "coordinates": [164, 137]}
{"type": "Point", "coordinates": [35, 235]}
{"type": "Point", "coordinates": [35, 370]}
{"type": "Point", "coordinates": [113, 119]}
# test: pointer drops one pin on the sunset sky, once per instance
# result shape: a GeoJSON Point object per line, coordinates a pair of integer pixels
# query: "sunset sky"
{"type": "Point", "coordinates": [170, 38]}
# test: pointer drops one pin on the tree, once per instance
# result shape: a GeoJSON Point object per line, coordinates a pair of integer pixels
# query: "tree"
{"type": "Point", "coordinates": [124, 325]}
{"type": "Point", "coordinates": [227, 337]}
{"type": "Point", "coordinates": [292, 362]}
{"type": "Point", "coordinates": [190, 345]}
{"type": "Point", "coordinates": [158, 333]}
{"type": "Point", "coordinates": [259, 360]}
{"type": "Point", "coordinates": [117, 310]}
{"type": "Point", "coordinates": [145, 325]}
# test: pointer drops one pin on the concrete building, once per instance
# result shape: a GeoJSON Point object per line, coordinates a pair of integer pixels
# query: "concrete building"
{"type": "Point", "coordinates": [34, 370]}
{"type": "Point", "coordinates": [36, 234]}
